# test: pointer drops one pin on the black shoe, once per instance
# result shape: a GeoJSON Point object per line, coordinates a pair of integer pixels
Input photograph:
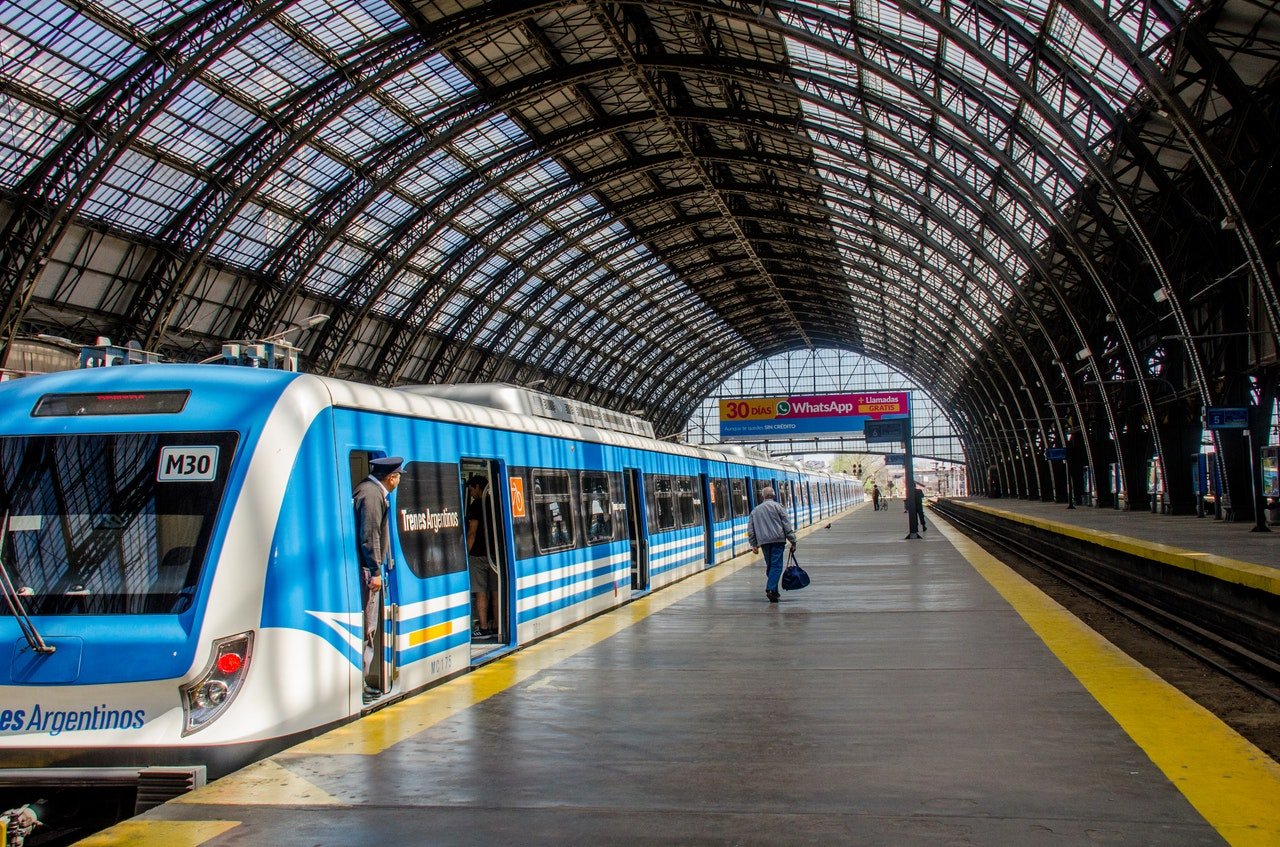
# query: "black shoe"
{"type": "Point", "coordinates": [371, 694]}
{"type": "Point", "coordinates": [772, 595]}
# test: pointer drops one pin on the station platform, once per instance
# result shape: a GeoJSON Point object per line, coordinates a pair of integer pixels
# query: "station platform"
{"type": "Point", "coordinates": [1214, 548]}
{"type": "Point", "coordinates": [918, 692]}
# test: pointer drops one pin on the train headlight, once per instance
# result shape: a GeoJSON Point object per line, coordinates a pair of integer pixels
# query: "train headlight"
{"type": "Point", "coordinates": [208, 695]}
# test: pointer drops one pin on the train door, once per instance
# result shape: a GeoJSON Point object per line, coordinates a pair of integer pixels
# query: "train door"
{"type": "Point", "coordinates": [708, 520]}
{"type": "Point", "coordinates": [380, 678]}
{"type": "Point", "coordinates": [488, 566]}
{"type": "Point", "coordinates": [636, 533]}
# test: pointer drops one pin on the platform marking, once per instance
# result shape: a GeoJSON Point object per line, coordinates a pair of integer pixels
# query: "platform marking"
{"type": "Point", "coordinates": [1230, 782]}
{"type": "Point", "coordinates": [264, 783]}
{"type": "Point", "coordinates": [386, 727]}
{"type": "Point", "coordinates": [1248, 574]}
{"type": "Point", "coordinates": [158, 834]}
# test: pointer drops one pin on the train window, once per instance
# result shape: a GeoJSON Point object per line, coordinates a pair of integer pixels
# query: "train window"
{"type": "Point", "coordinates": [784, 492]}
{"type": "Point", "coordinates": [741, 506]}
{"type": "Point", "coordinates": [663, 509]}
{"type": "Point", "coordinates": [719, 500]}
{"type": "Point", "coordinates": [761, 485]}
{"type": "Point", "coordinates": [111, 524]}
{"type": "Point", "coordinates": [598, 502]}
{"type": "Point", "coordinates": [552, 510]}
{"type": "Point", "coordinates": [429, 519]}
{"type": "Point", "coordinates": [685, 501]}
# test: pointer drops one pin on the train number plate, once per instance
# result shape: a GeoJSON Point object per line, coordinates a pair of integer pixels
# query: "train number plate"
{"type": "Point", "coordinates": [188, 464]}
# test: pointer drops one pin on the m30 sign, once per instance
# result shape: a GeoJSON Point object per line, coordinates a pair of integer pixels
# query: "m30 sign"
{"type": "Point", "coordinates": [807, 416]}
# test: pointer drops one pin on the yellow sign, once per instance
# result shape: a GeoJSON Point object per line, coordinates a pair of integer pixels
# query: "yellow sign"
{"type": "Point", "coordinates": [760, 409]}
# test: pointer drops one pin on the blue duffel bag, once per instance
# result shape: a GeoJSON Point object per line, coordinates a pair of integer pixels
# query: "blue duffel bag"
{"type": "Point", "coordinates": [794, 577]}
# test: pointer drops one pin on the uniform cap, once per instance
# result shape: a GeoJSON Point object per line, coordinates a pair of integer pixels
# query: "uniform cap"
{"type": "Point", "coordinates": [477, 479]}
{"type": "Point", "coordinates": [386, 465]}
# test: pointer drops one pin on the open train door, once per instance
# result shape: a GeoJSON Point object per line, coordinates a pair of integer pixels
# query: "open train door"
{"type": "Point", "coordinates": [491, 581]}
{"type": "Point", "coordinates": [636, 530]}
{"type": "Point", "coordinates": [379, 679]}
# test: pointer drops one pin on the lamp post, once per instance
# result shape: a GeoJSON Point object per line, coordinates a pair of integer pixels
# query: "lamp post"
{"type": "Point", "coordinates": [305, 323]}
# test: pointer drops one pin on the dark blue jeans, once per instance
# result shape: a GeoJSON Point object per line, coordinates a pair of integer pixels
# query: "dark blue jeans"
{"type": "Point", "coordinates": [773, 563]}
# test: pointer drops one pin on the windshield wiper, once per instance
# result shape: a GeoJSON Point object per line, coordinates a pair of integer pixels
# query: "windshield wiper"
{"type": "Point", "coordinates": [14, 599]}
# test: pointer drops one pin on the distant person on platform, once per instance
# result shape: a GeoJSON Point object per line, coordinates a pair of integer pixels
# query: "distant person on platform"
{"type": "Point", "coordinates": [770, 527]}
{"type": "Point", "coordinates": [875, 496]}
{"type": "Point", "coordinates": [918, 500]}
{"type": "Point", "coordinates": [373, 540]}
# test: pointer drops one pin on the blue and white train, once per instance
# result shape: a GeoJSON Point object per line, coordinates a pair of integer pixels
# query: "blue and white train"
{"type": "Point", "coordinates": [179, 557]}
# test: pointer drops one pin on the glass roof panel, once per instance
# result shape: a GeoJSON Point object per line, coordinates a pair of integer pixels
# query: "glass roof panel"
{"type": "Point", "coordinates": [27, 134]}
{"type": "Point", "coordinates": [361, 129]}
{"type": "Point", "coordinates": [252, 235]}
{"type": "Point", "coordinates": [340, 25]}
{"type": "Point", "coordinates": [199, 126]}
{"type": "Point", "coordinates": [489, 139]}
{"type": "Point", "coordinates": [47, 47]}
{"type": "Point", "coordinates": [268, 67]}
{"type": "Point", "coordinates": [150, 15]}
{"type": "Point", "coordinates": [429, 86]}
{"type": "Point", "coordinates": [141, 194]}
{"type": "Point", "coordinates": [384, 214]}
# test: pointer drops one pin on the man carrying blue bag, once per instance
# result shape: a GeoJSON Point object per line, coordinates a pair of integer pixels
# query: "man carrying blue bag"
{"type": "Point", "coordinates": [770, 527]}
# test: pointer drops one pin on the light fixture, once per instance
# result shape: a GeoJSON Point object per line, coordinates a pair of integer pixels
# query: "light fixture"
{"type": "Point", "coordinates": [1160, 295]}
{"type": "Point", "coordinates": [1084, 353]}
{"type": "Point", "coordinates": [1228, 223]}
{"type": "Point", "coordinates": [306, 323]}
{"type": "Point", "coordinates": [60, 341]}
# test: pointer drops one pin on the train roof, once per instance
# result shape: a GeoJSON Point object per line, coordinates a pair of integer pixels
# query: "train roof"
{"type": "Point", "coordinates": [538, 404]}
{"type": "Point", "coordinates": [244, 391]}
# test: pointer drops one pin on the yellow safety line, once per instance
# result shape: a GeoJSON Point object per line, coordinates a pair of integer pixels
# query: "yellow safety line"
{"type": "Point", "coordinates": [1230, 782]}
{"type": "Point", "coordinates": [382, 729]}
{"type": "Point", "coordinates": [148, 833]}
{"type": "Point", "coordinates": [271, 783]}
{"type": "Point", "coordinates": [264, 783]}
{"type": "Point", "coordinates": [268, 782]}
{"type": "Point", "coordinates": [1224, 568]}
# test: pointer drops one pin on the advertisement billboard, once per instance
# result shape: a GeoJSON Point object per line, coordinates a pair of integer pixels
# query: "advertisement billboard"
{"type": "Point", "coordinates": [807, 416]}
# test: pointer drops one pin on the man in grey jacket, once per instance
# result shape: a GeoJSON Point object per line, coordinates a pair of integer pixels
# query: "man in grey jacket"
{"type": "Point", "coordinates": [770, 527]}
{"type": "Point", "coordinates": [373, 548]}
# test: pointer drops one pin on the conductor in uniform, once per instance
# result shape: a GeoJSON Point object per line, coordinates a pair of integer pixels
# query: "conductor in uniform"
{"type": "Point", "coordinates": [373, 538]}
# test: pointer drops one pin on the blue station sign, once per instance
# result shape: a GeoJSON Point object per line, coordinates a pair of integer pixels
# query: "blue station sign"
{"type": "Point", "coordinates": [1227, 417]}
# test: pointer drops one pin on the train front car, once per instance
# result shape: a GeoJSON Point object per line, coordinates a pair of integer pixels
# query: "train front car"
{"type": "Point", "coordinates": [133, 566]}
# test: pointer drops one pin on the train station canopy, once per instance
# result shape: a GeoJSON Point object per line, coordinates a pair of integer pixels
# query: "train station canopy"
{"type": "Point", "coordinates": [1013, 202]}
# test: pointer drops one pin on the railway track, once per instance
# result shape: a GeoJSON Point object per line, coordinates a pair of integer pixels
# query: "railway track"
{"type": "Point", "coordinates": [1229, 629]}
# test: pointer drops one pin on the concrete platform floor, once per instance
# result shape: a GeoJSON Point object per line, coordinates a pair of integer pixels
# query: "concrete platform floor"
{"type": "Point", "coordinates": [911, 696]}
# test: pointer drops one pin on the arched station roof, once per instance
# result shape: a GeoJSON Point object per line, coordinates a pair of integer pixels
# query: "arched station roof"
{"type": "Point", "coordinates": [627, 202]}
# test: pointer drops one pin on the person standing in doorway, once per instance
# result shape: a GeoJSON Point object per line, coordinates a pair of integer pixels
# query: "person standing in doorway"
{"type": "Point", "coordinates": [480, 556]}
{"type": "Point", "coordinates": [769, 527]}
{"type": "Point", "coordinates": [373, 538]}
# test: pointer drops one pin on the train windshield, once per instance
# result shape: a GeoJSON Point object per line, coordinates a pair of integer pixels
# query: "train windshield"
{"type": "Point", "coordinates": [110, 524]}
